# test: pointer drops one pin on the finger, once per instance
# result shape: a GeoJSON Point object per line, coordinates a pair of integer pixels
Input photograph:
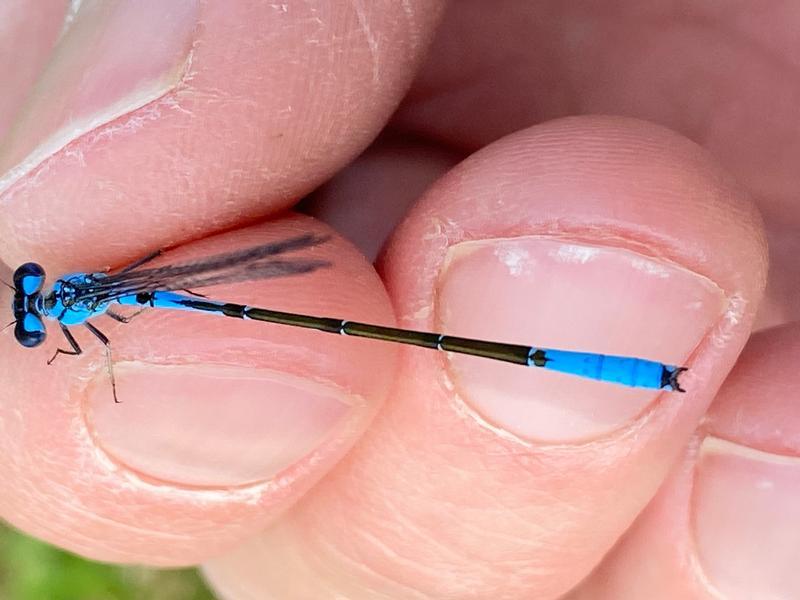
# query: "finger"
{"type": "Point", "coordinates": [724, 524]}
{"type": "Point", "coordinates": [481, 480]}
{"type": "Point", "coordinates": [367, 200]}
{"type": "Point", "coordinates": [167, 124]}
{"type": "Point", "coordinates": [222, 423]}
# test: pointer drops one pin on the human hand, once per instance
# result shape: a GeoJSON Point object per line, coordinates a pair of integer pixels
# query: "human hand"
{"type": "Point", "coordinates": [475, 480]}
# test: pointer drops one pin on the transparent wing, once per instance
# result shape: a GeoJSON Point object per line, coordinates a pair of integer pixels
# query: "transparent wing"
{"type": "Point", "coordinates": [259, 262]}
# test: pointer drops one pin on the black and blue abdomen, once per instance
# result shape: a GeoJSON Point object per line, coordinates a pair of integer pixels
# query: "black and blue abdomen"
{"type": "Point", "coordinates": [635, 372]}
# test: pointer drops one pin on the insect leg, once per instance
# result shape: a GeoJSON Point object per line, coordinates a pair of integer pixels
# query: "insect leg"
{"type": "Point", "coordinates": [76, 349]}
{"type": "Point", "coordinates": [109, 364]}
{"type": "Point", "coordinates": [123, 318]}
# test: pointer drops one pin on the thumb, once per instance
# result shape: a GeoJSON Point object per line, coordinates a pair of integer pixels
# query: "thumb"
{"type": "Point", "coordinates": [483, 480]}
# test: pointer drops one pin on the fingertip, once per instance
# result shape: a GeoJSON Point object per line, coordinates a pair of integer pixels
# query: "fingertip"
{"type": "Point", "coordinates": [224, 421]}
{"type": "Point", "coordinates": [599, 234]}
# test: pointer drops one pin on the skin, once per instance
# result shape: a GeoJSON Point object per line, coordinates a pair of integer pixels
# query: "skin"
{"type": "Point", "coordinates": [424, 495]}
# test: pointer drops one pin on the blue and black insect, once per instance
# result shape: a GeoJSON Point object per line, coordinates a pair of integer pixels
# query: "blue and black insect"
{"type": "Point", "coordinates": [79, 298]}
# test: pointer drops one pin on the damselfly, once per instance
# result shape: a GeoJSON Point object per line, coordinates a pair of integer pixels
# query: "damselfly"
{"type": "Point", "coordinates": [78, 298]}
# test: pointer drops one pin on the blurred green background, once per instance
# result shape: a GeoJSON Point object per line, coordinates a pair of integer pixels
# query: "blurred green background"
{"type": "Point", "coordinates": [32, 570]}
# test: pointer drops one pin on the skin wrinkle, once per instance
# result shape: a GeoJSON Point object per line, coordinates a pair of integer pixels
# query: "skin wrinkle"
{"type": "Point", "coordinates": [142, 532]}
{"type": "Point", "coordinates": [409, 527]}
{"type": "Point", "coordinates": [371, 536]}
{"type": "Point", "coordinates": [319, 562]}
{"type": "Point", "coordinates": [94, 544]}
{"type": "Point", "coordinates": [415, 563]}
{"type": "Point", "coordinates": [523, 540]}
{"type": "Point", "coordinates": [372, 41]}
{"type": "Point", "coordinates": [426, 567]}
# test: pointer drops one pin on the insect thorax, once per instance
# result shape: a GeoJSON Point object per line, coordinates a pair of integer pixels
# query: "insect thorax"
{"type": "Point", "coordinates": [68, 301]}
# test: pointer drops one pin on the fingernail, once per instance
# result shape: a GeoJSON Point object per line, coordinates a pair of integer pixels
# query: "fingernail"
{"type": "Point", "coordinates": [114, 56]}
{"type": "Point", "coordinates": [556, 294]}
{"type": "Point", "coordinates": [212, 425]}
{"type": "Point", "coordinates": [747, 521]}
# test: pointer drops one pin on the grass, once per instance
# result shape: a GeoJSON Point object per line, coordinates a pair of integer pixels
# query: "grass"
{"type": "Point", "coordinates": [33, 570]}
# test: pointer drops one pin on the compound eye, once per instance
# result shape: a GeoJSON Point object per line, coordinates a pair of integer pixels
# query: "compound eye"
{"type": "Point", "coordinates": [29, 278]}
{"type": "Point", "coordinates": [30, 331]}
